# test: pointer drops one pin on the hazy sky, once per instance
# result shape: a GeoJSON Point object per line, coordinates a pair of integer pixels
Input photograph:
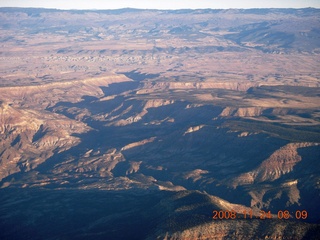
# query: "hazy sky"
{"type": "Point", "coordinates": [160, 4]}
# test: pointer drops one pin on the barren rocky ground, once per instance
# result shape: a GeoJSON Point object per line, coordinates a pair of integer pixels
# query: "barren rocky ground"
{"type": "Point", "coordinates": [139, 124]}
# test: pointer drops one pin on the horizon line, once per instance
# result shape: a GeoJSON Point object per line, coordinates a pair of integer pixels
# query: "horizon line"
{"type": "Point", "coordinates": [157, 9]}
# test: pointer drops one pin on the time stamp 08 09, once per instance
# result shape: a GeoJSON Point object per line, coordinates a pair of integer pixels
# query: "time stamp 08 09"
{"type": "Point", "coordinates": [285, 214]}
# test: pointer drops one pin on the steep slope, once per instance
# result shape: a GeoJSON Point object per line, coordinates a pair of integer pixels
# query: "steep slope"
{"type": "Point", "coordinates": [29, 137]}
{"type": "Point", "coordinates": [279, 163]}
{"type": "Point", "coordinates": [46, 95]}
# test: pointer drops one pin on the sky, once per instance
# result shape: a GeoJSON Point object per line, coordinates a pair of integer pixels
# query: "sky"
{"type": "Point", "coordinates": [160, 4]}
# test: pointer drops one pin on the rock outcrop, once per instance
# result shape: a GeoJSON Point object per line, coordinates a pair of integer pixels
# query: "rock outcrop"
{"type": "Point", "coordinates": [281, 162]}
{"type": "Point", "coordinates": [29, 137]}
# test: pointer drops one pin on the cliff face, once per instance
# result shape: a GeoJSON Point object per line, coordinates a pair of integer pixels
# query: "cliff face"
{"type": "Point", "coordinates": [29, 137]}
{"type": "Point", "coordinates": [136, 117]}
{"type": "Point", "coordinates": [281, 162]}
{"type": "Point", "coordinates": [47, 95]}
{"type": "Point", "coordinates": [242, 112]}
{"type": "Point", "coordinates": [211, 84]}
{"type": "Point", "coordinates": [29, 133]}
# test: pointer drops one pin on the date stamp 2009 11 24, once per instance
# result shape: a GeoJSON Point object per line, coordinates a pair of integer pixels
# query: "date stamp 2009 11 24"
{"type": "Point", "coordinates": [285, 214]}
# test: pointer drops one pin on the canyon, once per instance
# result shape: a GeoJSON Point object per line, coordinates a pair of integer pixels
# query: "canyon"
{"type": "Point", "coordinates": [139, 124]}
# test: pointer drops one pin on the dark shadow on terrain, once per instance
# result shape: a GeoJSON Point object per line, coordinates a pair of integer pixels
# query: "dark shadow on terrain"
{"type": "Point", "coordinates": [77, 214]}
{"type": "Point", "coordinates": [214, 149]}
{"type": "Point", "coordinates": [15, 141]}
{"type": "Point", "coordinates": [39, 134]}
{"type": "Point", "coordinates": [223, 154]}
{"type": "Point", "coordinates": [269, 91]}
{"type": "Point", "coordinates": [280, 131]}
{"type": "Point", "coordinates": [117, 88]}
{"type": "Point", "coordinates": [137, 76]}
{"type": "Point", "coordinates": [307, 170]}
{"type": "Point", "coordinates": [94, 214]}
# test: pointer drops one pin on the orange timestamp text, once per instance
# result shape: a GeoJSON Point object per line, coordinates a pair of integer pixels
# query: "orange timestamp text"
{"type": "Point", "coordinates": [285, 214]}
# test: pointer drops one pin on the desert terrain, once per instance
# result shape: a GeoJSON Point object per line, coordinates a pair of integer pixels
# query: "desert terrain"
{"type": "Point", "coordinates": [139, 124]}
